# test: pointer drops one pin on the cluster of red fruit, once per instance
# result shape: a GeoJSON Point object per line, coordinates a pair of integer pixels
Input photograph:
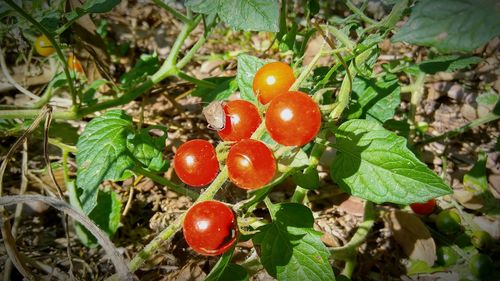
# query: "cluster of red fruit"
{"type": "Point", "coordinates": [292, 118]}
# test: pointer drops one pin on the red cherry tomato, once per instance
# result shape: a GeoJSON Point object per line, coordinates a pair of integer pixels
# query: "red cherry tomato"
{"type": "Point", "coordinates": [424, 208]}
{"type": "Point", "coordinates": [293, 119]}
{"type": "Point", "coordinates": [195, 163]}
{"type": "Point", "coordinates": [242, 119]}
{"type": "Point", "coordinates": [271, 80]}
{"type": "Point", "coordinates": [74, 64]}
{"type": "Point", "coordinates": [250, 164]}
{"type": "Point", "coordinates": [43, 46]}
{"type": "Point", "coordinates": [210, 228]}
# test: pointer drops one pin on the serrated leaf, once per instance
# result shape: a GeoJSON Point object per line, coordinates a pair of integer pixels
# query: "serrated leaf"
{"type": "Point", "coordinates": [451, 25]}
{"type": "Point", "coordinates": [447, 63]}
{"type": "Point", "coordinates": [256, 15]}
{"type": "Point", "coordinates": [225, 87]}
{"type": "Point", "coordinates": [290, 248]}
{"type": "Point", "coordinates": [147, 65]}
{"type": "Point", "coordinates": [106, 215]}
{"type": "Point", "coordinates": [148, 149]}
{"type": "Point", "coordinates": [488, 99]}
{"type": "Point", "coordinates": [247, 67]}
{"type": "Point", "coordinates": [102, 154]}
{"type": "Point", "coordinates": [377, 100]}
{"type": "Point", "coordinates": [375, 164]}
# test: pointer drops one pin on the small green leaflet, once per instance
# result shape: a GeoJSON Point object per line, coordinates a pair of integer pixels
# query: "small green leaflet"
{"type": "Point", "coordinates": [147, 65]}
{"type": "Point", "coordinates": [148, 149]}
{"type": "Point", "coordinates": [225, 86]}
{"type": "Point", "coordinates": [376, 100]}
{"type": "Point", "coordinates": [476, 180]}
{"type": "Point", "coordinates": [102, 154]}
{"type": "Point", "coordinates": [447, 63]}
{"type": "Point", "coordinates": [247, 67]}
{"type": "Point", "coordinates": [451, 25]}
{"type": "Point", "coordinates": [256, 15]}
{"type": "Point", "coordinates": [375, 164]}
{"type": "Point", "coordinates": [290, 248]}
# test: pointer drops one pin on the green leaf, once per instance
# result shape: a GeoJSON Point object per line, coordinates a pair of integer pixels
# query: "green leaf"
{"type": "Point", "coordinates": [221, 265]}
{"type": "Point", "coordinates": [234, 272]}
{"type": "Point", "coordinates": [247, 67]}
{"type": "Point", "coordinates": [99, 6]}
{"type": "Point", "coordinates": [375, 164]}
{"type": "Point", "coordinates": [256, 15]}
{"type": "Point", "coordinates": [225, 87]}
{"type": "Point", "coordinates": [476, 179]}
{"type": "Point", "coordinates": [451, 25]}
{"type": "Point", "coordinates": [102, 154]}
{"type": "Point", "coordinates": [488, 99]}
{"type": "Point", "coordinates": [308, 179]}
{"type": "Point", "coordinates": [447, 63]}
{"type": "Point", "coordinates": [90, 90]}
{"type": "Point", "coordinates": [376, 100]}
{"type": "Point", "coordinates": [106, 215]}
{"type": "Point", "coordinates": [148, 149]}
{"type": "Point", "coordinates": [290, 248]}
{"type": "Point", "coordinates": [147, 65]}
{"type": "Point", "coordinates": [293, 158]}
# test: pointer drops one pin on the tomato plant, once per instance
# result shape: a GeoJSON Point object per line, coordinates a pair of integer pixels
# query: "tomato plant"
{"type": "Point", "coordinates": [424, 208]}
{"type": "Point", "coordinates": [272, 80]}
{"type": "Point", "coordinates": [353, 120]}
{"type": "Point", "coordinates": [195, 162]}
{"type": "Point", "coordinates": [293, 119]}
{"type": "Point", "coordinates": [43, 46]}
{"type": "Point", "coordinates": [210, 228]}
{"type": "Point", "coordinates": [250, 164]}
{"type": "Point", "coordinates": [242, 119]}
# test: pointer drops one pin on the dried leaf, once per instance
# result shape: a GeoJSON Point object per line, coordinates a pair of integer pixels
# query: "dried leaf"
{"type": "Point", "coordinates": [413, 236]}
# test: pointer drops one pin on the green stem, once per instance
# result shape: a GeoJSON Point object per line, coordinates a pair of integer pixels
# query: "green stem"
{"type": "Point", "coordinates": [196, 81]}
{"type": "Point", "coordinates": [190, 54]}
{"type": "Point", "coordinates": [32, 113]}
{"type": "Point", "coordinates": [305, 73]}
{"type": "Point", "coordinates": [416, 97]}
{"type": "Point", "coordinates": [490, 117]}
{"type": "Point", "coordinates": [345, 89]}
{"type": "Point", "coordinates": [54, 43]}
{"type": "Point", "coordinates": [163, 181]}
{"type": "Point", "coordinates": [350, 265]}
{"type": "Point", "coordinates": [173, 11]}
{"type": "Point", "coordinates": [64, 147]}
{"type": "Point", "coordinates": [392, 18]}
{"type": "Point", "coordinates": [360, 13]}
{"type": "Point", "coordinates": [298, 195]}
{"type": "Point", "coordinates": [68, 24]}
{"type": "Point", "coordinates": [347, 251]}
{"type": "Point", "coordinates": [166, 234]}
{"type": "Point", "coordinates": [342, 37]}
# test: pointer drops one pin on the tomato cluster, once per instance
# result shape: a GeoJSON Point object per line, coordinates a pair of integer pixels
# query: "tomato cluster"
{"type": "Point", "coordinates": [292, 119]}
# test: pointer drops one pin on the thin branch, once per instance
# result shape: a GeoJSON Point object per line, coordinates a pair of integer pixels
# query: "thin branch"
{"type": "Point", "coordinates": [360, 13]}
{"type": "Point", "coordinates": [11, 80]}
{"type": "Point", "coordinates": [173, 11]}
{"type": "Point", "coordinates": [116, 258]}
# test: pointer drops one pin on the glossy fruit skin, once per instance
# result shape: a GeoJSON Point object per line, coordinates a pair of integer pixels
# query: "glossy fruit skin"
{"type": "Point", "coordinates": [195, 163]}
{"type": "Point", "coordinates": [242, 119]}
{"type": "Point", "coordinates": [210, 228]}
{"type": "Point", "coordinates": [74, 64]}
{"type": "Point", "coordinates": [448, 222]}
{"type": "Point", "coordinates": [272, 80]}
{"type": "Point", "coordinates": [250, 164]}
{"type": "Point", "coordinates": [293, 119]}
{"type": "Point", "coordinates": [43, 46]}
{"type": "Point", "coordinates": [424, 208]}
{"type": "Point", "coordinates": [446, 256]}
{"type": "Point", "coordinates": [481, 265]}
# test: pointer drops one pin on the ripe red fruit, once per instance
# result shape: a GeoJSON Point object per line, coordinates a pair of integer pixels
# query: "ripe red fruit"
{"type": "Point", "coordinates": [210, 228]}
{"type": "Point", "coordinates": [195, 163]}
{"type": "Point", "coordinates": [424, 208]}
{"type": "Point", "coordinates": [293, 119]}
{"type": "Point", "coordinates": [250, 164]}
{"type": "Point", "coordinates": [271, 80]}
{"type": "Point", "coordinates": [242, 119]}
